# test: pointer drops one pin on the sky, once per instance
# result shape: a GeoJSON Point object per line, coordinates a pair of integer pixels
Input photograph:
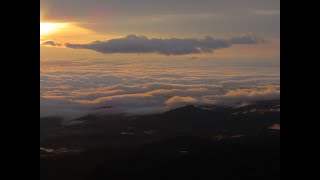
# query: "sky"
{"type": "Point", "coordinates": [149, 56]}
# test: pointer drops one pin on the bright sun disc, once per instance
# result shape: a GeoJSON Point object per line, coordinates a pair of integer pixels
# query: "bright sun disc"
{"type": "Point", "coordinates": [47, 28]}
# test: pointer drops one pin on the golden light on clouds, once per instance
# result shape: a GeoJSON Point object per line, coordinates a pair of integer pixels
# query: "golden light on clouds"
{"type": "Point", "coordinates": [63, 32]}
{"type": "Point", "coordinates": [49, 28]}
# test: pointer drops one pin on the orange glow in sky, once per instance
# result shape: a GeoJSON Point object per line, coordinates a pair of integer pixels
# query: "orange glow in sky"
{"type": "Point", "coordinates": [48, 28]}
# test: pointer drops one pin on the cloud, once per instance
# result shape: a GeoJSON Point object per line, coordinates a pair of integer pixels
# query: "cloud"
{"type": "Point", "coordinates": [249, 95]}
{"type": "Point", "coordinates": [178, 101]}
{"type": "Point", "coordinates": [145, 86]}
{"type": "Point", "coordinates": [50, 43]}
{"type": "Point", "coordinates": [153, 98]}
{"type": "Point", "coordinates": [172, 46]}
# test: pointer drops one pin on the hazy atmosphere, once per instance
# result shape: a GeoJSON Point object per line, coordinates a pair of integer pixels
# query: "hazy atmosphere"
{"type": "Point", "coordinates": [148, 56]}
{"type": "Point", "coordinates": [159, 89]}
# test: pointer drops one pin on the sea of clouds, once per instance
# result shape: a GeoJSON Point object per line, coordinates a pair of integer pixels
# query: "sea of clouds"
{"type": "Point", "coordinates": [75, 88]}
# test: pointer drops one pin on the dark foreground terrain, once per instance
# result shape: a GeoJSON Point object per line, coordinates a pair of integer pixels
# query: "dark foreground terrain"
{"type": "Point", "coordinates": [185, 143]}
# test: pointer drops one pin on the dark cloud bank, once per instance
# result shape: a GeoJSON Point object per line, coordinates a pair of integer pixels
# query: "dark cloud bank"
{"type": "Point", "coordinates": [172, 46]}
{"type": "Point", "coordinates": [50, 43]}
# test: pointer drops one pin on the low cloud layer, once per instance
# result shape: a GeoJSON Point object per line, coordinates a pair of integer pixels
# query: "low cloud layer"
{"type": "Point", "coordinates": [248, 95]}
{"type": "Point", "coordinates": [76, 88]}
{"type": "Point", "coordinates": [172, 46]}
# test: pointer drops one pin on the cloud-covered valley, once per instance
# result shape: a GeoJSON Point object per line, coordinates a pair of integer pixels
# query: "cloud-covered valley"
{"type": "Point", "coordinates": [75, 88]}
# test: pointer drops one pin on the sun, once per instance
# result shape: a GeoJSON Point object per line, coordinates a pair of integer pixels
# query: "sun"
{"type": "Point", "coordinates": [48, 28]}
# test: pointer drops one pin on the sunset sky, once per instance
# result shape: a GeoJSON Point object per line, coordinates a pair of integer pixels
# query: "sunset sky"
{"type": "Point", "coordinates": [141, 56]}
